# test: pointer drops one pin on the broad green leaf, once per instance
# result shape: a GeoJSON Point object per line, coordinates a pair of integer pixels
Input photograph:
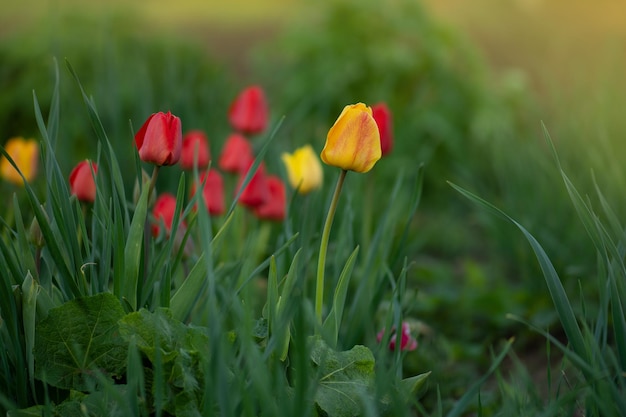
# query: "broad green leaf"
{"type": "Point", "coordinates": [79, 339]}
{"type": "Point", "coordinates": [344, 378]}
{"type": "Point", "coordinates": [163, 328]}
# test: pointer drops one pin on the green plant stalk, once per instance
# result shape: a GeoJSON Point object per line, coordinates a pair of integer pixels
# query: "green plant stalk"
{"type": "Point", "coordinates": [321, 262]}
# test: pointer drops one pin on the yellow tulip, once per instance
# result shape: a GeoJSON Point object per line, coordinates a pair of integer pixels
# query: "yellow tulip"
{"type": "Point", "coordinates": [304, 170]}
{"type": "Point", "coordinates": [25, 154]}
{"type": "Point", "coordinates": [353, 142]}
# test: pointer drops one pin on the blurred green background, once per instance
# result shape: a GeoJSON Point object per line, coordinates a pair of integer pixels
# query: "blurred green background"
{"type": "Point", "coordinates": [469, 84]}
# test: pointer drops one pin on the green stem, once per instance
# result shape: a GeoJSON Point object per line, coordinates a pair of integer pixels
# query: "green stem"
{"type": "Point", "coordinates": [319, 291]}
{"type": "Point", "coordinates": [153, 180]}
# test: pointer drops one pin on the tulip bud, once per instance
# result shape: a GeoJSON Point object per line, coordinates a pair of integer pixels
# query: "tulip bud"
{"type": "Point", "coordinates": [273, 208]}
{"type": "Point", "coordinates": [304, 170]}
{"type": "Point", "coordinates": [353, 142]}
{"type": "Point", "coordinates": [82, 183]}
{"type": "Point", "coordinates": [145, 182]}
{"type": "Point", "coordinates": [382, 116]}
{"type": "Point", "coordinates": [195, 147]}
{"type": "Point", "coordinates": [159, 140]}
{"type": "Point", "coordinates": [236, 154]}
{"type": "Point", "coordinates": [25, 154]}
{"type": "Point", "coordinates": [35, 235]}
{"type": "Point", "coordinates": [249, 112]}
{"type": "Point", "coordinates": [213, 191]}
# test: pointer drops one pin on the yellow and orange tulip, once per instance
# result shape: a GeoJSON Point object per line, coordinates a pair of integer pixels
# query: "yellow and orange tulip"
{"type": "Point", "coordinates": [353, 142]}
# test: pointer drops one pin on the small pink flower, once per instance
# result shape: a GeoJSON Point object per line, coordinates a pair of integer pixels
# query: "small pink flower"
{"type": "Point", "coordinates": [407, 342]}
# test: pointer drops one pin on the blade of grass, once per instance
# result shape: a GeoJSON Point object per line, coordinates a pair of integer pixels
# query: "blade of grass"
{"type": "Point", "coordinates": [557, 292]}
{"type": "Point", "coordinates": [461, 405]}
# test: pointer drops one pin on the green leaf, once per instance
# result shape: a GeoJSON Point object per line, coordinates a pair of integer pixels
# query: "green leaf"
{"type": "Point", "coordinates": [132, 250]}
{"type": "Point", "coordinates": [163, 330]}
{"type": "Point", "coordinates": [34, 411]}
{"type": "Point", "coordinates": [78, 340]}
{"type": "Point", "coordinates": [333, 321]}
{"type": "Point", "coordinates": [30, 290]}
{"type": "Point", "coordinates": [411, 386]}
{"type": "Point", "coordinates": [469, 396]}
{"type": "Point", "coordinates": [557, 292]}
{"type": "Point", "coordinates": [344, 378]}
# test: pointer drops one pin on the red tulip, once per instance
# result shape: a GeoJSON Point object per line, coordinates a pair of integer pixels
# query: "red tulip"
{"type": "Point", "coordinates": [256, 191]}
{"type": "Point", "coordinates": [163, 213]}
{"type": "Point", "coordinates": [213, 192]}
{"type": "Point", "coordinates": [82, 183]}
{"type": "Point", "coordinates": [274, 206]}
{"type": "Point", "coordinates": [249, 112]}
{"type": "Point", "coordinates": [382, 116]}
{"type": "Point", "coordinates": [236, 154]}
{"type": "Point", "coordinates": [195, 146]}
{"type": "Point", "coordinates": [159, 140]}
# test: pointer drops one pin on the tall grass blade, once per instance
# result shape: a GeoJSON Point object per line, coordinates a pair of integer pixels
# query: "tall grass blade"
{"type": "Point", "coordinates": [557, 292]}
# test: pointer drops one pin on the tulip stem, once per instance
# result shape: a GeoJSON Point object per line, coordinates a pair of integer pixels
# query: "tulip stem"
{"type": "Point", "coordinates": [319, 292]}
{"type": "Point", "coordinates": [155, 174]}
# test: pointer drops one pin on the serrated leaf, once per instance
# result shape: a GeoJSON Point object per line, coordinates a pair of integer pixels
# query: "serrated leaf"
{"type": "Point", "coordinates": [344, 378]}
{"type": "Point", "coordinates": [78, 340]}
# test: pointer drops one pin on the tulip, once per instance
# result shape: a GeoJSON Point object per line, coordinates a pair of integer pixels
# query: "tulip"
{"type": "Point", "coordinates": [236, 154]}
{"type": "Point", "coordinates": [82, 183]}
{"type": "Point", "coordinates": [382, 116]}
{"type": "Point", "coordinates": [249, 112]}
{"type": "Point", "coordinates": [353, 142]}
{"type": "Point", "coordinates": [304, 170]}
{"type": "Point", "coordinates": [407, 342]}
{"type": "Point", "coordinates": [159, 140]}
{"type": "Point", "coordinates": [25, 154]}
{"type": "Point", "coordinates": [195, 147]}
{"type": "Point", "coordinates": [212, 191]}
{"type": "Point", "coordinates": [163, 213]}
{"type": "Point", "coordinates": [273, 208]}
{"type": "Point", "coordinates": [256, 191]}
